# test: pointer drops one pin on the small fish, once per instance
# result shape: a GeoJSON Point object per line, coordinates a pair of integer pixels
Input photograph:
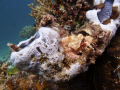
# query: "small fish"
{"type": "Point", "coordinates": [105, 13]}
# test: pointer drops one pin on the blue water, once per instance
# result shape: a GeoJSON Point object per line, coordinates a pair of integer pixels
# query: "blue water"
{"type": "Point", "coordinates": [13, 17]}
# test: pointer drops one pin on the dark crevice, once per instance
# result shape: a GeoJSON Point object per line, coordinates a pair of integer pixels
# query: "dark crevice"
{"type": "Point", "coordinates": [27, 43]}
{"type": "Point", "coordinates": [84, 33]}
{"type": "Point", "coordinates": [38, 49]}
{"type": "Point", "coordinates": [79, 54]}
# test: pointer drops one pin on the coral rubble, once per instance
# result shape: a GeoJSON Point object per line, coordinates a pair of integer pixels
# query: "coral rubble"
{"type": "Point", "coordinates": [62, 49]}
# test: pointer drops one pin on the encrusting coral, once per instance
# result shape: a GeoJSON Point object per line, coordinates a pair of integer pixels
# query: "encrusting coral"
{"type": "Point", "coordinates": [61, 49]}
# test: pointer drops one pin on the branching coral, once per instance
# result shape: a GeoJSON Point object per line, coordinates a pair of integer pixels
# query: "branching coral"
{"type": "Point", "coordinates": [41, 8]}
{"type": "Point", "coordinates": [74, 10]}
{"type": "Point", "coordinates": [63, 10]}
{"type": "Point", "coordinates": [3, 75]}
{"type": "Point", "coordinates": [26, 81]}
{"type": "Point", "coordinates": [47, 19]}
{"type": "Point", "coordinates": [27, 32]}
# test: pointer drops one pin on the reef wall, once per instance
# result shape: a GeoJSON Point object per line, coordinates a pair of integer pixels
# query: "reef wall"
{"type": "Point", "coordinates": [62, 48]}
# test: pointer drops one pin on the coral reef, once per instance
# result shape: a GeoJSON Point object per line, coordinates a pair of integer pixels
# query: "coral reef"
{"type": "Point", "coordinates": [27, 32]}
{"type": "Point", "coordinates": [64, 11]}
{"type": "Point", "coordinates": [59, 51]}
{"type": "Point", "coordinates": [24, 81]}
{"type": "Point", "coordinates": [3, 75]}
{"type": "Point", "coordinates": [41, 8]}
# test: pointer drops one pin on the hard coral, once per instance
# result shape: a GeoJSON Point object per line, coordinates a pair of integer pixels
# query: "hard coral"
{"type": "Point", "coordinates": [73, 10]}
{"type": "Point", "coordinates": [46, 20]}
{"type": "Point", "coordinates": [62, 10]}
{"type": "Point", "coordinates": [24, 81]}
{"type": "Point", "coordinates": [3, 70]}
{"type": "Point", "coordinates": [27, 32]}
{"type": "Point", "coordinates": [59, 59]}
{"type": "Point", "coordinates": [41, 8]}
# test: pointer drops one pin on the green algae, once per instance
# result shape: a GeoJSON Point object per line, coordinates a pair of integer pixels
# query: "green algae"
{"type": "Point", "coordinates": [12, 70]}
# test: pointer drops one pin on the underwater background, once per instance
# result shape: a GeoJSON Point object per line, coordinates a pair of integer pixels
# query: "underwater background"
{"type": "Point", "coordinates": [13, 17]}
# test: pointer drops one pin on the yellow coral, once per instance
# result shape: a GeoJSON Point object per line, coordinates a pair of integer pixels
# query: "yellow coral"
{"type": "Point", "coordinates": [41, 8]}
